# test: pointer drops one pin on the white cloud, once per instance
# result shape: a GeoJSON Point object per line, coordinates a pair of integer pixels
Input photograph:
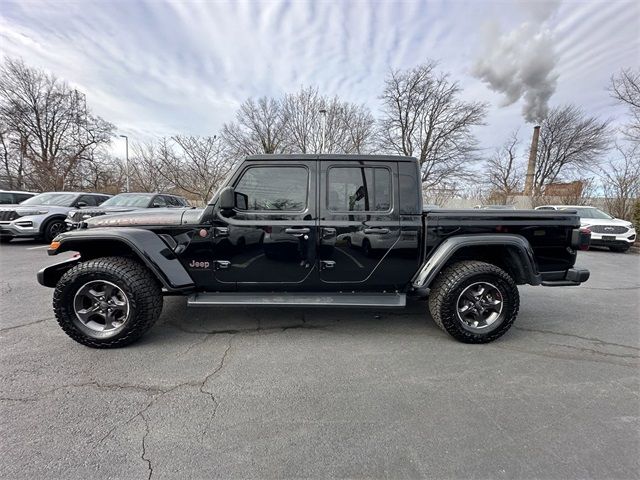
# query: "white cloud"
{"type": "Point", "coordinates": [156, 68]}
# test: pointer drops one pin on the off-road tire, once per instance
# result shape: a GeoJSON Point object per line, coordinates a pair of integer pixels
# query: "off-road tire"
{"type": "Point", "coordinates": [134, 279]}
{"type": "Point", "coordinates": [49, 232]}
{"type": "Point", "coordinates": [451, 282]}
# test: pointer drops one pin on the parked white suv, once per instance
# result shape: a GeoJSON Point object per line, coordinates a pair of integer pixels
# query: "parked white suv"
{"type": "Point", "coordinates": [606, 231]}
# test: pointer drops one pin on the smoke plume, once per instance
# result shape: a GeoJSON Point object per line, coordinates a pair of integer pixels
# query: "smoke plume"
{"type": "Point", "coordinates": [520, 64]}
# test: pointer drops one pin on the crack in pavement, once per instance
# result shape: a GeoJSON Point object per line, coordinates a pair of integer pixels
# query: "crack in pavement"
{"type": "Point", "coordinates": [561, 356]}
{"type": "Point", "coordinates": [95, 384]}
{"type": "Point", "coordinates": [160, 393]}
{"type": "Point", "coordinates": [6, 329]}
{"type": "Point", "coordinates": [211, 395]}
{"type": "Point", "coordinates": [597, 352]}
{"type": "Point", "coordinates": [144, 446]}
{"type": "Point", "coordinates": [590, 339]}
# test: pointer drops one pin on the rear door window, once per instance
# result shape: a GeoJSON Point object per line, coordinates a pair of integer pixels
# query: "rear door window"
{"type": "Point", "coordinates": [359, 189]}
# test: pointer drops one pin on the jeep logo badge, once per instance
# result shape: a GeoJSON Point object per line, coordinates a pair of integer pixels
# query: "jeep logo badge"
{"type": "Point", "coordinates": [197, 264]}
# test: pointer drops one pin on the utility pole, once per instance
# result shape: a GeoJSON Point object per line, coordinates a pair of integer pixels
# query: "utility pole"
{"type": "Point", "coordinates": [126, 164]}
{"type": "Point", "coordinates": [323, 112]}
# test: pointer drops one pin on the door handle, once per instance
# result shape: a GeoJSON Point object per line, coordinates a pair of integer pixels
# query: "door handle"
{"type": "Point", "coordinates": [298, 232]}
{"type": "Point", "coordinates": [325, 264]}
{"type": "Point", "coordinates": [376, 231]}
{"type": "Point", "coordinates": [328, 232]}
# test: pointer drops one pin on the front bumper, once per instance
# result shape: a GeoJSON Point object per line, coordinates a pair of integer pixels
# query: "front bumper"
{"type": "Point", "coordinates": [565, 278]}
{"type": "Point", "coordinates": [21, 227]}
{"type": "Point", "coordinates": [618, 240]}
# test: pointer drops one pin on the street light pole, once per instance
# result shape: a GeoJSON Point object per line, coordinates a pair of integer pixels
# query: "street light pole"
{"type": "Point", "coordinates": [323, 112]}
{"type": "Point", "coordinates": [126, 164]}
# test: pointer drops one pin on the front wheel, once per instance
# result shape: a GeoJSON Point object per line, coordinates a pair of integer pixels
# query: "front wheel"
{"type": "Point", "coordinates": [52, 229]}
{"type": "Point", "coordinates": [107, 302]}
{"type": "Point", "coordinates": [475, 302]}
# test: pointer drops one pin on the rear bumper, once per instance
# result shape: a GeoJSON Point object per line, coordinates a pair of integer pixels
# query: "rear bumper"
{"type": "Point", "coordinates": [565, 278]}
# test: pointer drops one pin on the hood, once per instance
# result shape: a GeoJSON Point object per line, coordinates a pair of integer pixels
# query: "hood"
{"type": "Point", "coordinates": [604, 221]}
{"type": "Point", "coordinates": [101, 210]}
{"type": "Point", "coordinates": [147, 217]}
{"type": "Point", "coordinates": [30, 208]}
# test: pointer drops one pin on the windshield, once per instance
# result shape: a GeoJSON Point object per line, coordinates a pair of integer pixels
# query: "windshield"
{"type": "Point", "coordinates": [58, 199]}
{"type": "Point", "coordinates": [128, 200]}
{"type": "Point", "coordinates": [590, 213]}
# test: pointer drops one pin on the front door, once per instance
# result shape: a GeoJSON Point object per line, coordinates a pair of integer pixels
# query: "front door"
{"type": "Point", "coordinates": [359, 222]}
{"type": "Point", "coordinates": [270, 236]}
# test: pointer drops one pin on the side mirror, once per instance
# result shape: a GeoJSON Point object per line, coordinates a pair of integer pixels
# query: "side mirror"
{"type": "Point", "coordinates": [241, 201]}
{"type": "Point", "coordinates": [227, 199]}
{"type": "Point", "coordinates": [81, 204]}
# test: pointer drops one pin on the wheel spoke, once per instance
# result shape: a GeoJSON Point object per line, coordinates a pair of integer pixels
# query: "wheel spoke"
{"type": "Point", "coordinates": [479, 305]}
{"type": "Point", "coordinates": [101, 306]}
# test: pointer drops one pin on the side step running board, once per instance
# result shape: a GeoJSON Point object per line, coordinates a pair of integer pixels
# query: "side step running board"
{"type": "Point", "coordinates": [299, 299]}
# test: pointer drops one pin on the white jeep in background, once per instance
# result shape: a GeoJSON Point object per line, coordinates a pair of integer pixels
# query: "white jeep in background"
{"type": "Point", "coordinates": [606, 231]}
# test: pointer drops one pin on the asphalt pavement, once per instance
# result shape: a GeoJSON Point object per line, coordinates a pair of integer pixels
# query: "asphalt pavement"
{"type": "Point", "coordinates": [290, 393]}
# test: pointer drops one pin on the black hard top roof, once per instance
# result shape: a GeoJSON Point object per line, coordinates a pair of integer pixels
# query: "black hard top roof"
{"type": "Point", "coordinates": [332, 157]}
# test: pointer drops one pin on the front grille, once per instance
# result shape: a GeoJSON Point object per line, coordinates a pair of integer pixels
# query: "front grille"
{"type": "Point", "coordinates": [608, 229]}
{"type": "Point", "coordinates": [8, 215]}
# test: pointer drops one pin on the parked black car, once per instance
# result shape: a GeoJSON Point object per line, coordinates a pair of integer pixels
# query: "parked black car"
{"type": "Point", "coordinates": [126, 202]}
{"type": "Point", "coordinates": [303, 210]}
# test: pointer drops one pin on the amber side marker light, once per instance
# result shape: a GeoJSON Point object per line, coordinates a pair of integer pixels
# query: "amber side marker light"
{"type": "Point", "coordinates": [54, 245]}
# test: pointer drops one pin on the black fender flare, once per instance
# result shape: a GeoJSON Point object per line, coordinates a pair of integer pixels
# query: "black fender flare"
{"type": "Point", "coordinates": [443, 253]}
{"type": "Point", "coordinates": [145, 245]}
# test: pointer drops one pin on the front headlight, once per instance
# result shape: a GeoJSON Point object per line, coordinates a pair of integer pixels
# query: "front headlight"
{"type": "Point", "coordinates": [31, 213]}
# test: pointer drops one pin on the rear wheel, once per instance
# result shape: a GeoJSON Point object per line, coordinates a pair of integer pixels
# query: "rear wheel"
{"type": "Point", "coordinates": [107, 302]}
{"type": "Point", "coordinates": [475, 302]}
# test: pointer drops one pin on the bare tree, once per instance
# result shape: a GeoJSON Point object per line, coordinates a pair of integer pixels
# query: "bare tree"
{"type": "Point", "coordinates": [621, 181]}
{"type": "Point", "coordinates": [51, 122]}
{"type": "Point", "coordinates": [259, 128]}
{"type": "Point", "coordinates": [348, 129]}
{"type": "Point", "coordinates": [12, 153]}
{"type": "Point", "coordinates": [570, 141]}
{"type": "Point", "coordinates": [626, 88]}
{"type": "Point", "coordinates": [146, 166]}
{"type": "Point", "coordinates": [423, 116]}
{"type": "Point", "coordinates": [504, 172]}
{"type": "Point", "coordinates": [199, 165]}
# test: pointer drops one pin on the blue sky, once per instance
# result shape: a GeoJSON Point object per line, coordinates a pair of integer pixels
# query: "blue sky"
{"type": "Point", "coordinates": [162, 68]}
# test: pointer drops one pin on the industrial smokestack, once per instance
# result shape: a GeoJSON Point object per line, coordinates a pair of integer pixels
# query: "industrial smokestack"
{"type": "Point", "coordinates": [531, 167]}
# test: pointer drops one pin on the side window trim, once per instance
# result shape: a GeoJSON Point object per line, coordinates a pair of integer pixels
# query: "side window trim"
{"type": "Point", "coordinates": [352, 212]}
{"type": "Point", "coordinates": [279, 165]}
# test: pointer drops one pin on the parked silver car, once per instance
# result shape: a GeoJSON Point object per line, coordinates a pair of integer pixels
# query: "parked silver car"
{"type": "Point", "coordinates": [43, 216]}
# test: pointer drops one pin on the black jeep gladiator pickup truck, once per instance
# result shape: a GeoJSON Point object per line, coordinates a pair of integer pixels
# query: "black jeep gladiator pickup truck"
{"type": "Point", "coordinates": [311, 230]}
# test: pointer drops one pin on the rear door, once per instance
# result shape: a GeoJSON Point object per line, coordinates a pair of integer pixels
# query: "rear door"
{"type": "Point", "coordinates": [270, 238]}
{"type": "Point", "coordinates": [359, 223]}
